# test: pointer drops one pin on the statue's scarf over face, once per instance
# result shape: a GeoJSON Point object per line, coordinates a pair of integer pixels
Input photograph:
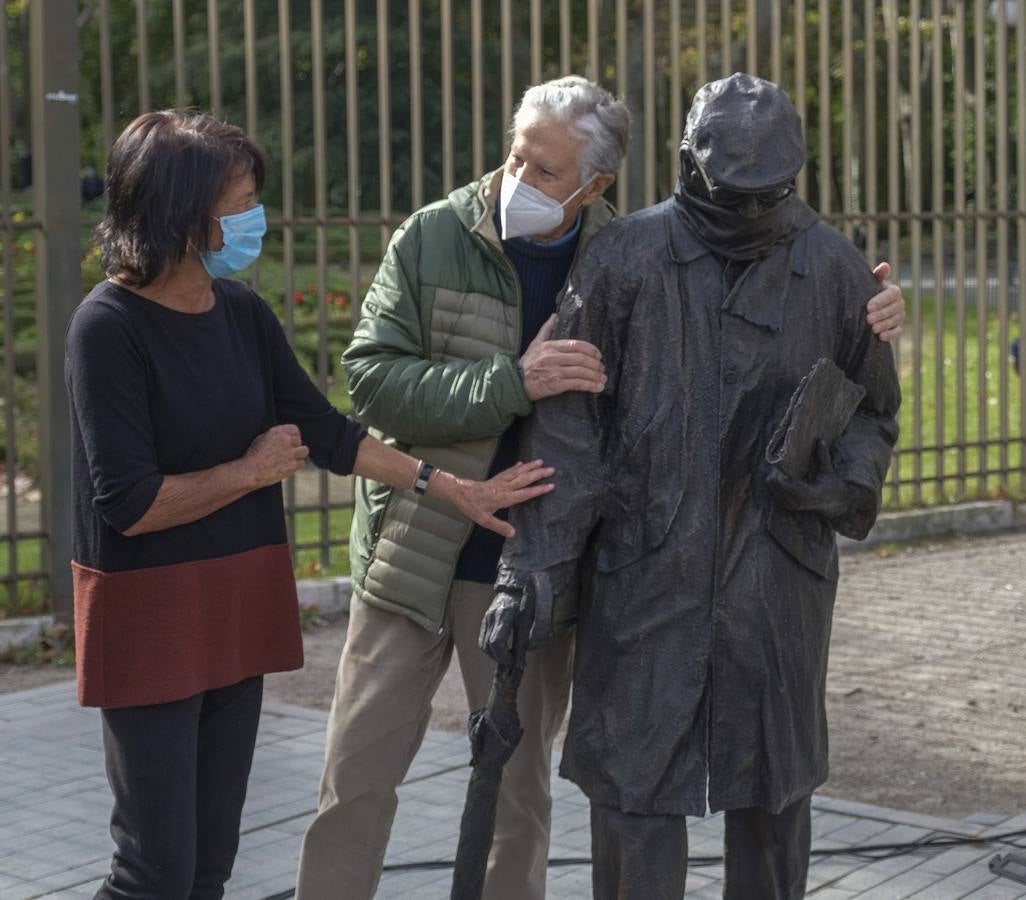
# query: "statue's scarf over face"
{"type": "Point", "coordinates": [729, 234]}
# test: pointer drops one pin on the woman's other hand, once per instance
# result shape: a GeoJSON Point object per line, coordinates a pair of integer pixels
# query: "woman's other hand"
{"type": "Point", "coordinates": [275, 454]}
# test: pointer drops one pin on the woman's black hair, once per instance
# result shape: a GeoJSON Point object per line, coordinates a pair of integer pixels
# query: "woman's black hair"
{"type": "Point", "coordinates": [165, 174]}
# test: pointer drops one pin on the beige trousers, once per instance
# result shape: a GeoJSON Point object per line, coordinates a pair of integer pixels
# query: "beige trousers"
{"type": "Point", "coordinates": [388, 674]}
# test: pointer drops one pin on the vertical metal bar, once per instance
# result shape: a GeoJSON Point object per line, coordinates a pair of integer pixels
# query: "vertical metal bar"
{"type": "Point", "coordinates": [958, 47]}
{"type": "Point", "coordinates": [676, 113]}
{"type": "Point", "coordinates": [249, 54]}
{"type": "Point", "coordinates": [937, 207]}
{"type": "Point", "coordinates": [649, 63]}
{"type": "Point", "coordinates": [776, 26]}
{"type": "Point", "coordinates": [56, 195]}
{"type": "Point", "coordinates": [416, 113]}
{"type": "Point", "coordinates": [353, 156]}
{"type": "Point", "coordinates": [622, 192]}
{"type": "Point", "coordinates": [799, 86]}
{"type": "Point", "coordinates": [825, 162]}
{"type": "Point", "coordinates": [847, 122]}
{"type": "Point", "coordinates": [565, 37]}
{"type": "Point", "coordinates": [214, 57]}
{"type": "Point", "coordinates": [320, 225]}
{"type": "Point", "coordinates": [593, 43]}
{"type": "Point", "coordinates": [536, 42]}
{"type": "Point", "coordinates": [142, 56]}
{"type": "Point", "coordinates": [106, 82]}
{"type": "Point", "coordinates": [288, 209]}
{"type": "Point", "coordinates": [893, 170]}
{"type": "Point", "coordinates": [506, 25]}
{"type": "Point", "coordinates": [869, 154]}
{"type": "Point", "coordinates": [982, 205]}
{"type": "Point", "coordinates": [178, 17]}
{"type": "Point", "coordinates": [384, 124]}
{"type": "Point", "coordinates": [477, 76]}
{"type": "Point", "coordinates": [916, 206]}
{"type": "Point", "coordinates": [752, 50]}
{"type": "Point", "coordinates": [1001, 183]}
{"type": "Point", "coordinates": [726, 38]}
{"type": "Point", "coordinates": [249, 37]}
{"type": "Point", "coordinates": [701, 29]}
{"type": "Point", "coordinates": [1020, 190]}
{"type": "Point", "coordinates": [10, 444]}
{"type": "Point", "coordinates": [448, 163]}
{"type": "Point", "coordinates": [893, 195]}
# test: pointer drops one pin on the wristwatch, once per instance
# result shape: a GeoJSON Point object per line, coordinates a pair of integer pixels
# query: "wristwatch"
{"type": "Point", "coordinates": [420, 483]}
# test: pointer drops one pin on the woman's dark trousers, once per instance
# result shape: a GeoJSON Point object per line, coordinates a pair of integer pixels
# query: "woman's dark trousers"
{"type": "Point", "coordinates": [178, 772]}
{"type": "Point", "coordinates": [645, 857]}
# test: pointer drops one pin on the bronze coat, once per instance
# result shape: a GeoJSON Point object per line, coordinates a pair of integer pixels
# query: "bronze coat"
{"type": "Point", "coordinates": [705, 614]}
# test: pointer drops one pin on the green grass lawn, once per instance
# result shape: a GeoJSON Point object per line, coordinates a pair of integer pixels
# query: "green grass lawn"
{"type": "Point", "coordinates": [309, 563]}
{"type": "Point", "coordinates": [945, 421]}
{"type": "Point", "coordinates": [31, 592]}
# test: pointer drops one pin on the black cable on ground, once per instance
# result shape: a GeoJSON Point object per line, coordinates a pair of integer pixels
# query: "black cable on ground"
{"type": "Point", "coordinates": [873, 852]}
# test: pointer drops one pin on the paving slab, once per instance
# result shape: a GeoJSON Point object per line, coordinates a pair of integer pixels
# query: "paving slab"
{"type": "Point", "coordinates": [54, 806]}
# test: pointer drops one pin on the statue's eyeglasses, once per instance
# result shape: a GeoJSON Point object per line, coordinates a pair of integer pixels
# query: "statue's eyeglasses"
{"type": "Point", "coordinates": [728, 197]}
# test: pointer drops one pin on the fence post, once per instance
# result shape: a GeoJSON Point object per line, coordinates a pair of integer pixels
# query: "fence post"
{"type": "Point", "coordinates": [53, 36]}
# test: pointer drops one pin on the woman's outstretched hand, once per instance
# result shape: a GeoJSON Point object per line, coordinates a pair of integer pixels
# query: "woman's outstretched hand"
{"type": "Point", "coordinates": [478, 500]}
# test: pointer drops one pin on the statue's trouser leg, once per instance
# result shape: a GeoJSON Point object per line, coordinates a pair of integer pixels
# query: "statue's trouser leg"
{"type": "Point", "coordinates": [767, 856]}
{"type": "Point", "coordinates": [519, 861]}
{"type": "Point", "coordinates": [637, 857]}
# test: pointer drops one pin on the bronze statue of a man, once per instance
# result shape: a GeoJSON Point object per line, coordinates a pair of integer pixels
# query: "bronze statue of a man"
{"type": "Point", "coordinates": [706, 579]}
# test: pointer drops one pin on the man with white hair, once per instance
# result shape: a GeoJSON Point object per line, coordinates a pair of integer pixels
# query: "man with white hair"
{"type": "Point", "coordinates": [453, 348]}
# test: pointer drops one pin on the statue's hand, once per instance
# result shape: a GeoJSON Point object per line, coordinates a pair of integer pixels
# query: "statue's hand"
{"type": "Point", "coordinates": [824, 493]}
{"type": "Point", "coordinates": [498, 627]}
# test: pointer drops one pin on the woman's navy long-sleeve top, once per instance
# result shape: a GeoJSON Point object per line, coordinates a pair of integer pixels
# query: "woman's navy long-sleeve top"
{"type": "Point", "coordinates": [157, 392]}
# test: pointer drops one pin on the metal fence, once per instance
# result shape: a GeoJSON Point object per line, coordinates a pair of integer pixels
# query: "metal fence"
{"type": "Point", "coordinates": [915, 115]}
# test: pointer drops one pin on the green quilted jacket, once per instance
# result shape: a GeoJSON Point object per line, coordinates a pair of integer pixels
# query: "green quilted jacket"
{"type": "Point", "coordinates": [432, 369]}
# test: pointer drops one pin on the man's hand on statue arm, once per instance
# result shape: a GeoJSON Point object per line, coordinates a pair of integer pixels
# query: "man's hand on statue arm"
{"type": "Point", "coordinates": [886, 310]}
{"type": "Point", "coordinates": [824, 492]}
{"type": "Point", "coordinates": [554, 367]}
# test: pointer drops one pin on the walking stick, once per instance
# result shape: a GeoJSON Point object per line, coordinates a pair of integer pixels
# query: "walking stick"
{"type": "Point", "coordinates": [494, 734]}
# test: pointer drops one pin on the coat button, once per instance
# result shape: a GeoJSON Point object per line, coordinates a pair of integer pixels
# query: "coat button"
{"type": "Point", "coordinates": [730, 376]}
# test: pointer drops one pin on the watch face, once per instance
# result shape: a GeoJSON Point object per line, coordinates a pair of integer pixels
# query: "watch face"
{"type": "Point", "coordinates": [420, 485]}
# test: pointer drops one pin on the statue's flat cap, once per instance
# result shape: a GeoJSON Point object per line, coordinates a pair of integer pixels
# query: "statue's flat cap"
{"type": "Point", "coordinates": [745, 133]}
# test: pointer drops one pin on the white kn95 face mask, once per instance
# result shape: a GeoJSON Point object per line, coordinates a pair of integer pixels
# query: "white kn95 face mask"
{"type": "Point", "coordinates": [525, 210]}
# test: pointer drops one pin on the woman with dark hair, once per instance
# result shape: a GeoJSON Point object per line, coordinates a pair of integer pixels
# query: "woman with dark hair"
{"type": "Point", "coordinates": [189, 408]}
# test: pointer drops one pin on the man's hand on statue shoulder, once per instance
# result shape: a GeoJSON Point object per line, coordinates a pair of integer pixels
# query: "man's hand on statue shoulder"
{"type": "Point", "coordinates": [554, 367]}
{"type": "Point", "coordinates": [886, 310]}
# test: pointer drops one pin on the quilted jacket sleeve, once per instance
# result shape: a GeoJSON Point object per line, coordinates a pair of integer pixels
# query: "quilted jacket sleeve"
{"type": "Point", "coordinates": [395, 386]}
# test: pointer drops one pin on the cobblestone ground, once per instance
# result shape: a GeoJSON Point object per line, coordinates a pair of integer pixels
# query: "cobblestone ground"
{"type": "Point", "coordinates": [928, 664]}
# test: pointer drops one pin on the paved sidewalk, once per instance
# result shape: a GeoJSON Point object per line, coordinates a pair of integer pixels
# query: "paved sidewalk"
{"type": "Point", "coordinates": [54, 805]}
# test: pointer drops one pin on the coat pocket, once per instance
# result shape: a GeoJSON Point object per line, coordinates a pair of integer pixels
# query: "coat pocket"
{"type": "Point", "coordinates": [807, 537]}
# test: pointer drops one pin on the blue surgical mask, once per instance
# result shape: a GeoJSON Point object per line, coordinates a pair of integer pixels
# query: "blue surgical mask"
{"type": "Point", "coordinates": [243, 235]}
